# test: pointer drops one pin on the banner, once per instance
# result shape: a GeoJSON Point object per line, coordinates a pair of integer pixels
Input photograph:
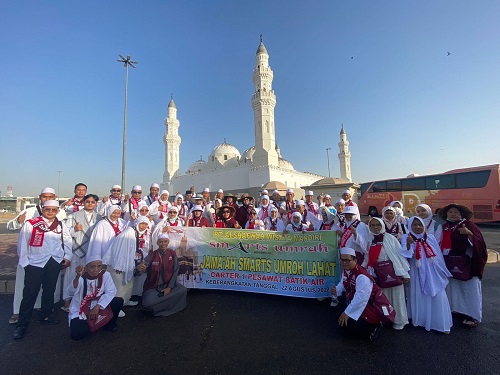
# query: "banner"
{"type": "Point", "coordinates": [297, 264]}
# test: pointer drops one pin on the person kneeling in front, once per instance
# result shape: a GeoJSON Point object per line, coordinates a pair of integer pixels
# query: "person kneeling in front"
{"type": "Point", "coordinates": [93, 305]}
{"type": "Point", "coordinates": [358, 318]}
{"type": "Point", "coordinates": [162, 296]}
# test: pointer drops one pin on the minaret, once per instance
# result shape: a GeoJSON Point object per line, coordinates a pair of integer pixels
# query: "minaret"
{"type": "Point", "coordinates": [344, 156]}
{"type": "Point", "coordinates": [263, 103]}
{"type": "Point", "coordinates": [172, 144]}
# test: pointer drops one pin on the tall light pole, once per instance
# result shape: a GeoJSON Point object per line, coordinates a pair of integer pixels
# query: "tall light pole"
{"type": "Point", "coordinates": [126, 62]}
{"type": "Point", "coordinates": [328, 158]}
{"type": "Point", "coordinates": [58, 182]}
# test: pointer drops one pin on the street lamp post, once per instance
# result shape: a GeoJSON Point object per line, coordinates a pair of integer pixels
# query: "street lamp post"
{"type": "Point", "coordinates": [328, 158]}
{"type": "Point", "coordinates": [126, 62]}
{"type": "Point", "coordinates": [58, 182]}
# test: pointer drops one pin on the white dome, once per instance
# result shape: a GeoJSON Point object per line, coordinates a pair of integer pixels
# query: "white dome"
{"type": "Point", "coordinates": [285, 164]}
{"type": "Point", "coordinates": [248, 154]}
{"type": "Point", "coordinates": [197, 166]}
{"type": "Point", "coordinates": [224, 155]}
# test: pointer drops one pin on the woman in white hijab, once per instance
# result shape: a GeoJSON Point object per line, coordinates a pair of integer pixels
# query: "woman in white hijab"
{"type": "Point", "coordinates": [427, 304]}
{"type": "Point", "coordinates": [142, 211]}
{"type": "Point", "coordinates": [263, 210]}
{"type": "Point", "coordinates": [329, 218]}
{"type": "Point", "coordinates": [159, 208]}
{"type": "Point", "coordinates": [424, 212]}
{"type": "Point", "coordinates": [353, 233]}
{"type": "Point", "coordinates": [400, 214]}
{"type": "Point", "coordinates": [165, 226]}
{"type": "Point", "coordinates": [392, 225]}
{"type": "Point", "coordinates": [274, 222]}
{"type": "Point", "coordinates": [105, 232]}
{"type": "Point", "coordinates": [125, 253]}
{"type": "Point", "coordinates": [295, 224]}
{"type": "Point", "coordinates": [383, 247]}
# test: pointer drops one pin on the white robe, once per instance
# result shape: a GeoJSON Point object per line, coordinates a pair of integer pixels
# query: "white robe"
{"type": "Point", "coordinates": [102, 237]}
{"type": "Point", "coordinates": [428, 304]}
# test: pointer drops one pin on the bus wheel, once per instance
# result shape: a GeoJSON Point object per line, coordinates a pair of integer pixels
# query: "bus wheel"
{"type": "Point", "coordinates": [372, 211]}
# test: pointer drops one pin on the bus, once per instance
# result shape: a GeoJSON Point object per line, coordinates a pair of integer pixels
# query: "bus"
{"type": "Point", "coordinates": [477, 188]}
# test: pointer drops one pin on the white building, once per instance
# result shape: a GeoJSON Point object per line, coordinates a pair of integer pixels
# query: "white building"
{"type": "Point", "coordinates": [226, 167]}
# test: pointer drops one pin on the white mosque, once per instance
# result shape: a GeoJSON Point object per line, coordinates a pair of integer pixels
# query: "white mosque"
{"type": "Point", "coordinates": [260, 166]}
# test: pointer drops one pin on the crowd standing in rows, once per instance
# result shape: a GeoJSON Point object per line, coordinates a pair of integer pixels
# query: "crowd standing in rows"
{"type": "Point", "coordinates": [117, 248]}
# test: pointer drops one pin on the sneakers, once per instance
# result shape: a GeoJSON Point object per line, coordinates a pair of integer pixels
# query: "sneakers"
{"type": "Point", "coordinates": [19, 333]}
{"type": "Point", "coordinates": [14, 319]}
{"type": "Point", "coordinates": [335, 302]}
{"type": "Point", "coordinates": [121, 314]}
{"type": "Point", "coordinates": [130, 303]}
{"type": "Point", "coordinates": [377, 332]}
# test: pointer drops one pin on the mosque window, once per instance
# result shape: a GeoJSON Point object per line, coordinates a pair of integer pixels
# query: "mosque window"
{"type": "Point", "coordinates": [225, 157]}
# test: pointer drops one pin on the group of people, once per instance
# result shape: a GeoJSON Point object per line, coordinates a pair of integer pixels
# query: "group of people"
{"type": "Point", "coordinates": [116, 250]}
{"type": "Point", "coordinates": [426, 270]}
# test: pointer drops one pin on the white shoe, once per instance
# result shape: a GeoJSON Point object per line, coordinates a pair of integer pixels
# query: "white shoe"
{"type": "Point", "coordinates": [334, 303]}
{"type": "Point", "coordinates": [131, 303]}
{"type": "Point", "coordinates": [121, 314]}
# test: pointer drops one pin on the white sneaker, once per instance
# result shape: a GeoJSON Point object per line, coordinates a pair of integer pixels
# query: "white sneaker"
{"type": "Point", "coordinates": [334, 303]}
{"type": "Point", "coordinates": [131, 303]}
{"type": "Point", "coordinates": [121, 314]}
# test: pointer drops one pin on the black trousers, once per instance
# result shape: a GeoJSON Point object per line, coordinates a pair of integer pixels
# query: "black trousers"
{"type": "Point", "coordinates": [36, 277]}
{"type": "Point", "coordinates": [79, 328]}
{"type": "Point", "coordinates": [358, 328]}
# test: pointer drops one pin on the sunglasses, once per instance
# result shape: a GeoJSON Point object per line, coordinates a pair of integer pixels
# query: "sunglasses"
{"type": "Point", "coordinates": [115, 190]}
{"type": "Point", "coordinates": [226, 212]}
{"type": "Point", "coordinates": [137, 192]}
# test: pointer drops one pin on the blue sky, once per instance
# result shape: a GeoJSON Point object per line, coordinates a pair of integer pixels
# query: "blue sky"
{"type": "Point", "coordinates": [379, 67]}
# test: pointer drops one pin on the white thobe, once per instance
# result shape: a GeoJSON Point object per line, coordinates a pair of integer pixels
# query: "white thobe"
{"type": "Point", "coordinates": [361, 297]}
{"type": "Point", "coordinates": [101, 238]}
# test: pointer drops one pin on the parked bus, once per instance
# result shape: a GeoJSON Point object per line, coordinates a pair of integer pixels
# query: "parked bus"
{"type": "Point", "coordinates": [477, 188]}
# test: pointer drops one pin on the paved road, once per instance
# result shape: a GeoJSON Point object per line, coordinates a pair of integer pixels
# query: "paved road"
{"type": "Point", "coordinates": [223, 332]}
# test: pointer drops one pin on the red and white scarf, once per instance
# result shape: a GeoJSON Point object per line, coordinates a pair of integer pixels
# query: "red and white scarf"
{"type": "Point", "coordinates": [311, 208]}
{"type": "Point", "coordinates": [40, 227]}
{"type": "Point", "coordinates": [348, 233]}
{"type": "Point", "coordinates": [375, 249]}
{"type": "Point", "coordinates": [421, 243]}
{"type": "Point", "coordinates": [448, 229]}
{"type": "Point", "coordinates": [115, 226]}
{"type": "Point", "coordinates": [77, 204]}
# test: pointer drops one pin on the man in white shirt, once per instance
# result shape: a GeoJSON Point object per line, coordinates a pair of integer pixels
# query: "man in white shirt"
{"type": "Point", "coordinates": [44, 247]}
{"type": "Point", "coordinates": [115, 198]}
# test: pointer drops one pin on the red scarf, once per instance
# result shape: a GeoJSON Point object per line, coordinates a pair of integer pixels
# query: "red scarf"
{"type": "Point", "coordinates": [134, 203]}
{"type": "Point", "coordinates": [93, 292]}
{"type": "Point", "coordinates": [348, 233]}
{"type": "Point", "coordinates": [265, 212]}
{"type": "Point", "coordinates": [164, 209]}
{"type": "Point", "coordinates": [311, 208]}
{"type": "Point", "coordinates": [393, 230]}
{"type": "Point", "coordinates": [422, 243]}
{"type": "Point", "coordinates": [290, 208]}
{"type": "Point", "coordinates": [327, 226]}
{"type": "Point", "coordinates": [39, 229]}
{"type": "Point", "coordinates": [448, 229]}
{"type": "Point", "coordinates": [251, 225]}
{"type": "Point", "coordinates": [77, 203]}
{"type": "Point", "coordinates": [375, 249]}
{"type": "Point", "coordinates": [114, 226]}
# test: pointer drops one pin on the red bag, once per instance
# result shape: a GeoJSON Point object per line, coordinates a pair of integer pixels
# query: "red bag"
{"type": "Point", "coordinates": [386, 276]}
{"type": "Point", "coordinates": [104, 316]}
{"type": "Point", "coordinates": [379, 309]}
{"type": "Point", "coordinates": [460, 266]}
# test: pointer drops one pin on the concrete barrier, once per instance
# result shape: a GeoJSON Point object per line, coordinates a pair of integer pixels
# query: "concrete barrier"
{"type": "Point", "coordinates": [493, 256]}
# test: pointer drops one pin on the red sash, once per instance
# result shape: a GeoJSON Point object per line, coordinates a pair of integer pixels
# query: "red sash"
{"type": "Point", "coordinates": [375, 249]}
{"type": "Point", "coordinates": [164, 209]}
{"type": "Point", "coordinates": [114, 226]}
{"type": "Point", "coordinates": [422, 243]}
{"type": "Point", "coordinates": [290, 208]}
{"type": "Point", "coordinates": [448, 229]}
{"type": "Point", "coordinates": [251, 225]}
{"type": "Point", "coordinates": [311, 208]}
{"type": "Point", "coordinates": [265, 212]}
{"type": "Point", "coordinates": [134, 203]}
{"type": "Point", "coordinates": [77, 203]}
{"type": "Point", "coordinates": [348, 233]}
{"type": "Point", "coordinates": [39, 229]}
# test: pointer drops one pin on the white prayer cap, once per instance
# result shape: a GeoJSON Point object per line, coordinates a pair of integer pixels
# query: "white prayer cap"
{"type": "Point", "coordinates": [137, 187]}
{"type": "Point", "coordinates": [296, 214]}
{"type": "Point", "coordinates": [300, 202]}
{"type": "Point", "coordinates": [264, 197]}
{"type": "Point", "coordinates": [179, 196]}
{"type": "Point", "coordinates": [309, 192]}
{"type": "Point", "coordinates": [328, 196]}
{"type": "Point", "coordinates": [265, 192]}
{"type": "Point", "coordinates": [275, 192]}
{"type": "Point", "coordinates": [51, 203]}
{"type": "Point", "coordinates": [142, 204]}
{"type": "Point", "coordinates": [154, 184]}
{"type": "Point", "coordinates": [346, 192]}
{"type": "Point", "coordinates": [116, 187]}
{"type": "Point", "coordinates": [48, 190]}
{"type": "Point", "coordinates": [112, 209]}
{"type": "Point", "coordinates": [173, 208]}
{"type": "Point", "coordinates": [340, 200]}
{"type": "Point", "coordinates": [273, 208]}
{"type": "Point", "coordinates": [92, 258]}
{"type": "Point", "coordinates": [197, 207]}
{"type": "Point", "coordinates": [164, 235]}
{"type": "Point", "coordinates": [206, 190]}
{"type": "Point", "coordinates": [347, 251]}
{"type": "Point", "coordinates": [220, 191]}
{"type": "Point", "coordinates": [350, 210]}
{"type": "Point", "coordinates": [164, 192]}
{"type": "Point", "coordinates": [218, 200]}
{"type": "Point", "coordinates": [290, 191]}
{"type": "Point", "coordinates": [142, 219]}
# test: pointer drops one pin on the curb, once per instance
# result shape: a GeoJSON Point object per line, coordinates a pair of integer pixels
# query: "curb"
{"type": "Point", "coordinates": [7, 286]}
{"type": "Point", "coordinates": [493, 256]}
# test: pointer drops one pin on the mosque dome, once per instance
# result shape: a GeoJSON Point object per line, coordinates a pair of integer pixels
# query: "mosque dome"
{"type": "Point", "coordinates": [248, 155]}
{"type": "Point", "coordinates": [262, 48]}
{"type": "Point", "coordinates": [330, 181]}
{"type": "Point", "coordinates": [225, 155]}
{"type": "Point", "coordinates": [285, 164]}
{"type": "Point", "coordinates": [197, 167]}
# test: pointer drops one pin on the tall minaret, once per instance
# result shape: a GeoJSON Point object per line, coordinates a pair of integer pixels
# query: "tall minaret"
{"type": "Point", "coordinates": [344, 156]}
{"type": "Point", "coordinates": [172, 143]}
{"type": "Point", "coordinates": [263, 103]}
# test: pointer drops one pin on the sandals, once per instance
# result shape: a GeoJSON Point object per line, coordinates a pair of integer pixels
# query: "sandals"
{"type": "Point", "coordinates": [65, 309]}
{"type": "Point", "coordinates": [471, 323]}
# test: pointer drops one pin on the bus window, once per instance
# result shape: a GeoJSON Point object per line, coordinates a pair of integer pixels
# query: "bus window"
{"type": "Point", "coordinates": [440, 182]}
{"type": "Point", "coordinates": [365, 187]}
{"type": "Point", "coordinates": [472, 179]}
{"type": "Point", "coordinates": [413, 184]}
{"type": "Point", "coordinates": [379, 186]}
{"type": "Point", "coordinates": [394, 185]}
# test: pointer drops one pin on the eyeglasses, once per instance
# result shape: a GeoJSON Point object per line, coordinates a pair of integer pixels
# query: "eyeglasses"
{"type": "Point", "coordinates": [91, 202]}
{"type": "Point", "coordinates": [226, 212]}
{"type": "Point", "coordinates": [137, 192]}
{"type": "Point", "coordinates": [51, 209]}
{"type": "Point", "coordinates": [172, 212]}
{"type": "Point", "coordinates": [346, 260]}
{"type": "Point", "coordinates": [115, 190]}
